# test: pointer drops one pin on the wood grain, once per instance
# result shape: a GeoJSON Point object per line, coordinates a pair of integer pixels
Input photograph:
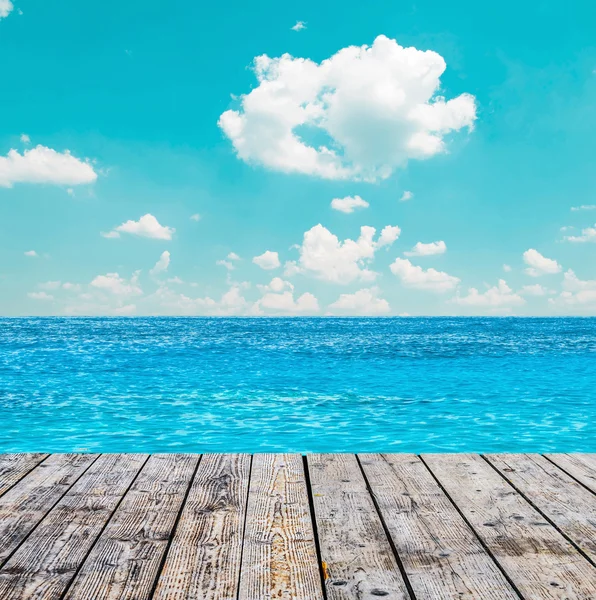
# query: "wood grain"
{"type": "Point", "coordinates": [541, 563]}
{"type": "Point", "coordinates": [558, 496]}
{"type": "Point", "coordinates": [580, 466]}
{"type": "Point", "coordinates": [14, 467]}
{"type": "Point", "coordinates": [279, 555]}
{"type": "Point", "coordinates": [203, 562]}
{"type": "Point", "coordinates": [358, 559]}
{"type": "Point", "coordinates": [442, 557]}
{"type": "Point", "coordinates": [25, 504]}
{"type": "Point", "coordinates": [125, 561]}
{"type": "Point", "coordinates": [48, 559]}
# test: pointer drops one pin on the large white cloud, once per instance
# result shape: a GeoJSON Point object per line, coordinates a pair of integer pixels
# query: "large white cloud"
{"type": "Point", "coordinates": [324, 256]}
{"type": "Point", "coordinates": [6, 7]}
{"type": "Point", "coordinates": [499, 296]}
{"type": "Point", "coordinates": [578, 293]}
{"type": "Point", "coordinates": [376, 105]}
{"type": "Point", "coordinates": [430, 249]}
{"type": "Point", "coordinates": [147, 226]}
{"type": "Point", "coordinates": [588, 235]}
{"type": "Point", "coordinates": [268, 260]}
{"type": "Point", "coordinates": [44, 165]}
{"type": "Point", "coordinates": [362, 302]}
{"type": "Point", "coordinates": [348, 204]}
{"type": "Point", "coordinates": [416, 277]}
{"type": "Point", "coordinates": [540, 265]}
{"type": "Point", "coordinates": [284, 303]}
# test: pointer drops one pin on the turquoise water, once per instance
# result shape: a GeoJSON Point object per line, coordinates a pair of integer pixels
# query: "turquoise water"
{"type": "Point", "coordinates": [366, 385]}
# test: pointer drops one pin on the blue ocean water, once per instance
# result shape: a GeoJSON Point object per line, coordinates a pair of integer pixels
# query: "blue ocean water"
{"type": "Point", "coordinates": [307, 385]}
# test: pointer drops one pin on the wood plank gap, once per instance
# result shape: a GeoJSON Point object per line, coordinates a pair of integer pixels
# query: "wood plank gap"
{"type": "Point", "coordinates": [469, 524]}
{"type": "Point", "coordinates": [67, 588]}
{"type": "Point", "coordinates": [43, 457]}
{"type": "Point", "coordinates": [9, 556]}
{"type": "Point", "coordinates": [568, 473]}
{"type": "Point", "coordinates": [252, 458]}
{"type": "Point", "coordinates": [538, 510]}
{"type": "Point", "coordinates": [173, 532]}
{"type": "Point", "coordinates": [398, 559]}
{"type": "Point", "coordinates": [311, 507]}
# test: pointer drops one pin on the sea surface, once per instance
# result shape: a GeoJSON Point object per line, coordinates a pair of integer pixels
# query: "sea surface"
{"type": "Point", "coordinates": [298, 385]}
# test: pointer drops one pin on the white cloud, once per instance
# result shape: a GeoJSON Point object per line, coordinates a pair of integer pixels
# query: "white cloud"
{"type": "Point", "coordinates": [147, 226]}
{"type": "Point", "coordinates": [583, 207]}
{"type": "Point", "coordinates": [127, 309]}
{"type": "Point", "coordinates": [277, 285]}
{"type": "Point", "coordinates": [231, 303]}
{"type": "Point", "coordinates": [430, 249]}
{"type": "Point", "coordinates": [225, 263]}
{"type": "Point", "coordinates": [31, 253]}
{"type": "Point", "coordinates": [233, 256]}
{"type": "Point", "coordinates": [407, 195]}
{"type": "Point", "coordinates": [416, 277]}
{"type": "Point", "coordinates": [110, 234]}
{"type": "Point", "coordinates": [499, 296]}
{"type": "Point", "coordinates": [533, 290]}
{"type": "Point", "coordinates": [588, 235]}
{"type": "Point", "coordinates": [162, 264]}
{"type": "Point", "coordinates": [507, 268]}
{"type": "Point", "coordinates": [195, 217]}
{"type": "Point", "coordinates": [71, 287]}
{"type": "Point", "coordinates": [6, 7]}
{"type": "Point", "coordinates": [300, 25]}
{"type": "Point", "coordinates": [24, 137]}
{"type": "Point", "coordinates": [40, 296]}
{"type": "Point", "coordinates": [49, 285]}
{"type": "Point", "coordinates": [348, 204]}
{"type": "Point", "coordinates": [362, 302]}
{"type": "Point", "coordinates": [44, 165]}
{"type": "Point", "coordinates": [175, 280]}
{"type": "Point", "coordinates": [324, 256]}
{"type": "Point", "coordinates": [576, 292]}
{"type": "Point", "coordinates": [378, 107]}
{"type": "Point", "coordinates": [284, 303]}
{"type": "Point", "coordinates": [113, 283]}
{"type": "Point", "coordinates": [540, 265]}
{"type": "Point", "coordinates": [268, 260]}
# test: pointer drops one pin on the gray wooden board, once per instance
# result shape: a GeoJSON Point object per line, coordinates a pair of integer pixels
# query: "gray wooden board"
{"type": "Point", "coordinates": [125, 561]}
{"type": "Point", "coordinates": [541, 563]}
{"type": "Point", "coordinates": [25, 504]}
{"type": "Point", "coordinates": [15, 466]}
{"type": "Point", "coordinates": [47, 560]}
{"type": "Point", "coordinates": [357, 556]}
{"type": "Point", "coordinates": [580, 466]}
{"type": "Point", "coordinates": [558, 496]}
{"type": "Point", "coordinates": [279, 555]}
{"type": "Point", "coordinates": [441, 556]}
{"type": "Point", "coordinates": [203, 562]}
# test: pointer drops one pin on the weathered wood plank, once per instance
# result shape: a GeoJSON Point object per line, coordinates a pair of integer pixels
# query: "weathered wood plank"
{"type": "Point", "coordinates": [14, 467]}
{"type": "Point", "coordinates": [25, 504]}
{"type": "Point", "coordinates": [441, 556]}
{"type": "Point", "coordinates": [47, 560]}
{"type": "Point", "coordinates": [558, 496]}
{"type": "Point", "coordinates": [124, 562]}
{"type": "Point", "coordinates": [580, 466]}
{"type": "Point", "coordinates": [203, 561]}
{"type": "Point", "coordinates": [357, 556]}
{"type": "Point", "coordinates": [279, 555]}
{"type": "Point", "coordinates": [541, 563]}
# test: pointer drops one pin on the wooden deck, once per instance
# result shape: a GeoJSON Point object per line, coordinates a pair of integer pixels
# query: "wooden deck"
{"type": "Point", "coordinates": [284, 526]}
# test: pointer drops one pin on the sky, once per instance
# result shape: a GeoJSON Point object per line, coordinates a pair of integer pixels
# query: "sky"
{"type": "Point", "coordinates": [381, 158]}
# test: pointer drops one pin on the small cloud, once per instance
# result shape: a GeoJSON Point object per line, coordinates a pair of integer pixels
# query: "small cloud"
{"type": "Point", "coordinates": [348, 204]}
{"type": "Point", "coordinates": [175, 280]}
{"type": "Point", "coordinates": [162, 264]}
{"type": "Point", "coordinates": [533, 290]}
{"type": "Point", "coordinates": [567, 228]}
{"type": "Point", "coordinates": [40, 296]}
{"type": "Point", "coordinates": [407, 195]}
{"type": "Point", "coordinates": [300, 25]}
{"type": "Point", "coordinates": [507, 268]}
{"type": "Point", "coordinates": [70, 191]}
{"type": "Point", "coordinates": [25, 138]}
{"type": "Point", "coordinates": [195, 217]}
{"type": "Point", "coordinates": [268, 260]}
{"type": "Point", "coordinates": [540, 265]}
{"type": "Point", "coordinates": [583, 207]}
{"type": "Point", "coordinates": [147, 226]}
{"type": "Point", "coordinates": [430, 249]}
{"type": "Point", "coordinates": [6, 7]}
{"type": "Point", "coordinates": [588, 235]}
{"type": "Point", "coordinates": [71, 287]}
{"type": "Point", "coordinates": [49, 285]}
{"type": "Point", "coordinates": [31, 253]}
{"type": "Point", "coordinates": [225, 263]}
{"type": "Point", "coordinates": [416, 277]}
{"type": "Point", "coordinates": [233, 256]}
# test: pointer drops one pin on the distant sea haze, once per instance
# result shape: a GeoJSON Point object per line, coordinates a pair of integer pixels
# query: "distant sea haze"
{"type": "Point", "coordinates": [303, 385]}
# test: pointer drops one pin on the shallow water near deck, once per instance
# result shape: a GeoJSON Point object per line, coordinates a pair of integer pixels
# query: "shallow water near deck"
{"type": "Point", "coordinates": [298, 385]}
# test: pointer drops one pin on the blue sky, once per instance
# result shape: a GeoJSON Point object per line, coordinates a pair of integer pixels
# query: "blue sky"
{"type": "Point", "coordinates": [150, 164]}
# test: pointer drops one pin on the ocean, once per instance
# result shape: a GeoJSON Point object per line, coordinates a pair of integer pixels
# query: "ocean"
{"type": "Point", "coordinates": [298, 385]}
